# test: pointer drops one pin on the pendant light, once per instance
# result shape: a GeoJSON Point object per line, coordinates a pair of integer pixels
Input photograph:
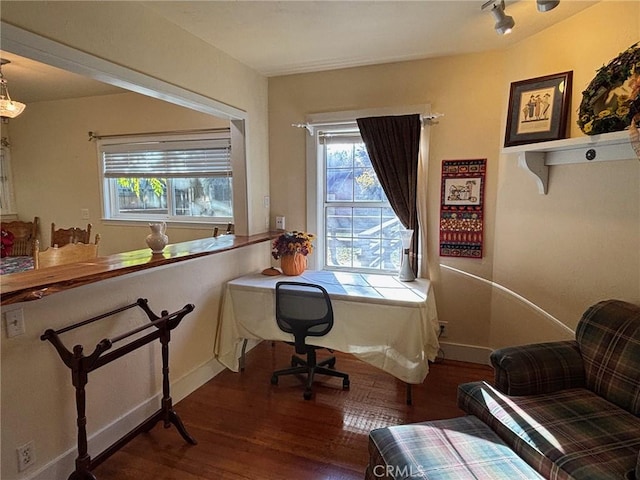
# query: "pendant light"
{"type": "Point", "coordinates": [8, 108]}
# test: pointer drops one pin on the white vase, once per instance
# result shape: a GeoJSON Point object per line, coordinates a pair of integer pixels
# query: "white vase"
{"type": "Point", "coordinates": [157, 239]}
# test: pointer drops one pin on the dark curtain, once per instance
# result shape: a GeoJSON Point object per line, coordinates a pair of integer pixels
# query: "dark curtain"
{"type": "Point", "coordinates": [392, 144]}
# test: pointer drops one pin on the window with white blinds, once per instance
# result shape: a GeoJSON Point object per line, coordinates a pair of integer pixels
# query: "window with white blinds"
{"type": "Point", "coordinates": [197, 158]}
{"type": "Point", "coordinates": [186, 179]}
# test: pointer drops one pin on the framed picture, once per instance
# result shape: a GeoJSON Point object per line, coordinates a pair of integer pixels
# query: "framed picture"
{"type": "Point", "coordinates": [462, 191]}
{"type": "Point", "coordinates": [538, 109]}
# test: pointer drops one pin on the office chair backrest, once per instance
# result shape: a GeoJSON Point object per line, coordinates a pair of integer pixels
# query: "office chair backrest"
{"type": "Point", "coordinates": [303, 309]}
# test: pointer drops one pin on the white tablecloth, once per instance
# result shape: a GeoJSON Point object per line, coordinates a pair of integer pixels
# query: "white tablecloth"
{"type": "Point", "coordinates": [390, 324]}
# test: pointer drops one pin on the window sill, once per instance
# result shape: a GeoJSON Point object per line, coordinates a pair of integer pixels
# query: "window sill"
{"type": "Point", "coordinates": [36, 284]}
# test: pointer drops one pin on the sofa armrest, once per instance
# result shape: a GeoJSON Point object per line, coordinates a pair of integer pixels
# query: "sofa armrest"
{"type": "Point", "coordinates": [538, 368]}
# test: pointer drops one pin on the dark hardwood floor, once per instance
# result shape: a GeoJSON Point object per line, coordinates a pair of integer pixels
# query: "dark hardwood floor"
{"type": "Point", "coordinates": [248, 429]}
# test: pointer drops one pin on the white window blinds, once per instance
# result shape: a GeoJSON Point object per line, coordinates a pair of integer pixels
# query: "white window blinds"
{"type": "Point", "coordinates": [168, 159]}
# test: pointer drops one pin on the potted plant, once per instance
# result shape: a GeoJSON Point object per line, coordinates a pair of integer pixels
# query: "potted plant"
{"type": "Point", "coordinates": [292, 249]}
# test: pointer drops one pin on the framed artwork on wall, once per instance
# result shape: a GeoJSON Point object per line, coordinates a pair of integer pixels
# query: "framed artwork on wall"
{"type": "Point", "coordinates": [461, 208]}
{"type": "Point", "coordinates": [538, 109]}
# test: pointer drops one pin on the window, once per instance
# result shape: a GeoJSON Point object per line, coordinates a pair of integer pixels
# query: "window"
{"type": "Point", "coordinates": [7, 204]}
{"type": "Point", "coordinates": [357, 228]}
{"type": "Point", "coordinates": [186, 178]}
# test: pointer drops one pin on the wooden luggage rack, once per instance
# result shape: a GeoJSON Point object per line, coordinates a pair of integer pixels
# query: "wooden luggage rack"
{"type": "Point", "coordinates": [81, 365]}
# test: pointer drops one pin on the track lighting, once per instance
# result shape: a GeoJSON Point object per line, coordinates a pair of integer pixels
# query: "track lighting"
{"type": "Point", "coordinates": [504, 23]}
{"type": "Point", "coordinates": [546, 5]}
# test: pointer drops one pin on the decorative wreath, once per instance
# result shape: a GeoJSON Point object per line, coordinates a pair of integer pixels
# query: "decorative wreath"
{"type": "Point", "coordinates": [612, 99]}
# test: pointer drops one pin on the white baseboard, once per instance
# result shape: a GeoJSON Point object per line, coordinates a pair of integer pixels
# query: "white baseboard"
{"type": "Point", "coordinates": [63, 465]}
{"type": "Point", "coordinates": [466, 353]}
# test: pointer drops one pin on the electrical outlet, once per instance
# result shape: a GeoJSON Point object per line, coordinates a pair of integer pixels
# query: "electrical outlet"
{"type": "Point", "coordinates": [26, 455]}
{"type": "Point", "coordinates": [279, 223]}
{"type": "Point", "coordinates": [443, 330]}
{"type": "Point", "coordinates": [14, 322]}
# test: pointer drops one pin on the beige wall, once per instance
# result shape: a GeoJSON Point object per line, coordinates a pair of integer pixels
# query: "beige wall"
{"type": "Point", "coordinates": [37, 397]}
{"type": "Point", "coordinates": [132, 36]}
{"type": "Point", "coordinates": [38, 400]}
{"type": "Point", "coordinates": [560, 252]}
{"type": "Point", "coordinates": [55, 167]}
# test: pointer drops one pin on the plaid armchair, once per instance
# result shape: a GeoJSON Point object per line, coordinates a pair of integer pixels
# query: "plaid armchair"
{"type": "Point", "coordinates": [570, 409]}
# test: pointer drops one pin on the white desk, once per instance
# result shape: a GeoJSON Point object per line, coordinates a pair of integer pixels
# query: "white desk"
{"type": "Point", "coordinates": [390, 324]}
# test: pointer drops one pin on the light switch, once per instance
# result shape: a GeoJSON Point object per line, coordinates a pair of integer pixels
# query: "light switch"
{"type": "Point", "coordinates": [14, 322]}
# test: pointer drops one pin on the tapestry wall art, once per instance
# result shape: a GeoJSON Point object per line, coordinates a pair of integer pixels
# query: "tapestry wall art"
{"type": "Point", "coordinates": [461, 208]}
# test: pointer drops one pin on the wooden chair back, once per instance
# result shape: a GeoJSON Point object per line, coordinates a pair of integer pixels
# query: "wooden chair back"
{"type": "Point", "coordinates": [24, 236]}
{"type": "Point", "coordinates": [69, 253]}
{"type": "Point", "coordinates": [63, 236]}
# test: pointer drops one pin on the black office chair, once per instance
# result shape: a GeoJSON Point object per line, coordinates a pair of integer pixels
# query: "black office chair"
{"type": "Point", "coordinates": [304, 309]}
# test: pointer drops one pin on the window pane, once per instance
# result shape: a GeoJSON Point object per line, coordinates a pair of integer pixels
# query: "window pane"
{"type": "Point", "coordinates": [367, 187]}
{"type": "Point", "coordinates": [339, 252]}
{"type": "Point", "coordinates": [358, 236]}
{"type": "Point", "coordinates": [141, 195]}
{"type": "Point", "coordinates": [339, 186]}
{"type": "Point", "coordinates": [366, 253]}
{"type": "Point", "coordinates": [339, 155]}
{"type": "Point", "coordinates": [367, 222]}
{"type": "Point", "coordinates": [361, 157]}
{"type": "Point", "coordinates": [339, 222]}
{"type": "Point", "coordinates": [202, 197]}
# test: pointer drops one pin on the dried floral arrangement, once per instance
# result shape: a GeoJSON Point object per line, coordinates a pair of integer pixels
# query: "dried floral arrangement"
{"type": "Point", "coordinates": [612, 99]}
{"type": "Point", "coordinates": [290, 243]}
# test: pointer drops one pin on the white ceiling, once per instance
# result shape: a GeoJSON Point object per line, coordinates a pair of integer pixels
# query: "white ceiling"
{"type": "Point", "coordinates": [283, 37]}
{"type": "Point", "coordinates": [286, 37]}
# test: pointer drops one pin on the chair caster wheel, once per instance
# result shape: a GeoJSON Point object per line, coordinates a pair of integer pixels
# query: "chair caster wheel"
{"type": "Point", "coordinates": [307, 394]}
{"type": "Point", "coordinates": [345, 383]}
{"type": "Point", "coordinates": [274, 380]}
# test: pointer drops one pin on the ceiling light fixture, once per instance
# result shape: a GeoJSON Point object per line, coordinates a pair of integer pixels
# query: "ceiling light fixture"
{"type": "Point", "coordinates": [504, 23]}
{"type": "Point", "coordinates": [8, 108]}
{"type": "Point", "coordinates": [546, 5]}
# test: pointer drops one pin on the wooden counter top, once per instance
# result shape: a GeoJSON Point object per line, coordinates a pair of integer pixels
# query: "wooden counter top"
{"type": "Point", "coordinates": [36, 284]}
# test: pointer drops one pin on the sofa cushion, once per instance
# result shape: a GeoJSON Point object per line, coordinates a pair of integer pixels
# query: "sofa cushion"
{"type": "Point", "coordinates": [452, 449]}
{"type": "Point", "coordinates": [608, 336]}
{"type": "Point", "coordinates": [572, 434]}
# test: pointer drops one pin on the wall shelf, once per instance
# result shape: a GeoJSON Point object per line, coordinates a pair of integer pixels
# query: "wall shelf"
{"type": "Point", "coordinates": [538, 157]}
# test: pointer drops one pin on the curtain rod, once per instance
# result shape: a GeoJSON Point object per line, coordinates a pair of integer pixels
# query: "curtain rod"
{"type": "Point", "coordinates": [94, 136]}
{"type": "Point", "coordinates": [310, 127]}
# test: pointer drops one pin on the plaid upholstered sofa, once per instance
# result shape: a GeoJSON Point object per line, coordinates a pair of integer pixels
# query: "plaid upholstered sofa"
{"type": "Point", "coordinates": [570, 409]}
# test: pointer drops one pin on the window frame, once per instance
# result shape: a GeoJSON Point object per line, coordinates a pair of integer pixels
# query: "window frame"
{"type": "Point", "coordinates": [315, 169]}
{"type": "Point", "coordinates": [108, 187]}
{"type": "Point", "coordinates": [352, 130]}
{"type": "Point", "coordinates": [8, 201]}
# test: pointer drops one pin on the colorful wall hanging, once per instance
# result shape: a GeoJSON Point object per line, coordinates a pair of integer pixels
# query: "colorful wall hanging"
{"type": "Point", "coordinates": [461, 208]}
